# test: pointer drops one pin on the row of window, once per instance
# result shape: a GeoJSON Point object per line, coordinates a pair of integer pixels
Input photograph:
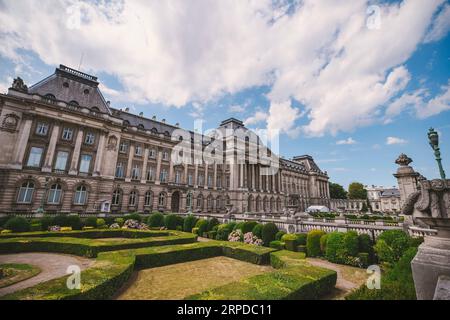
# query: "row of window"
{"type": "Point", "coordinates": [54, 195]}
{"type": "Point", "coordinates": [138, 151]}
{"type": "Point", "coordinates": [62, 157]}
{"type": "Point", "coordinates": [67, 133]}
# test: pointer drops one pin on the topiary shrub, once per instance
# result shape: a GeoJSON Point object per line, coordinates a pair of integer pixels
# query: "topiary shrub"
{"type": "Point", "coordinates": [350, 243]}
{"type": "Point", "coordinates": [334, 244]}
{"type": "Point", "coordinates": [301, 248]}
{"type": "Point", "coordinates": [391, 245]}
{"type": "Point", "coordinates": [180, 222]}
{"type": "Point", "coordinates": [91, 222]}
{"type": "Point", "coordinates": [101, 223]}
{"type": "Point", "coordinates": [313, 243]}
{"type": "Point", "coordinates": [35, 227]}
{"type": "Point", "coordinates": [279, 235]}
{"type": "Point", "coordinates": [212, 234]}
{"type": "Point", "coordinates": [277, 244]}
{"type": "Point", "coordinates": [17, 224]}
{"type": "Point", "coordinates": [120, 221]}
{"type": "Point", "coordinates": [239, 226]}
{"type": "Point", "coordinates": [74, 222]}
{"type": "Point", "coordinates": [365, 243]}
{"type": "Point", "coordinates": [223, 230]}
{"type": "Point", "coordinates": [46, 222]}
{"type": "Point", "coordinates": [195, 230]}
{"type": "Point", "coordinates": [202, 226]}
{"type": "Point", "coordinates": [156, 220]}
{"type": "Point", "coordinates": [170, 222]}
{"type": "Point", "coordinates": [248, 226]}
{"type": "Point", "coordinates": [60, 220]}
{"type": "Point", "coordinates": [268, 233]}
{"type": "Point", "coordinates": [323, 243]}
{"type": "Point", "coordinates": [301, 238]}
{"type": "Point", "coordinates": [212, 223]}
{"type": "Point", "coordinates": [290, 241]}
{"type": "Point", "coordinates": [133, 216]}
{"type": "Point", "coordinates": [231, 226]}
{"type": "Point", "coordinates": [189, 223]}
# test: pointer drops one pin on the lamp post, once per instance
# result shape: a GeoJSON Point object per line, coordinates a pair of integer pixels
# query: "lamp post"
{"type": "Point", "coordinates": [40, 210]}
{"type": "Point", "coordinates": [433, 138]}
{"type": "Point", "coordinates": [189, 196]}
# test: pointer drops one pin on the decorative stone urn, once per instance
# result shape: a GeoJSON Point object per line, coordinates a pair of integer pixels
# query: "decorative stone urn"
{"type": "Point", "coordinates": [430, 206]}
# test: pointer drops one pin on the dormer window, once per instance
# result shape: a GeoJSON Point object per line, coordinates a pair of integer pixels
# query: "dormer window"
{"type": "Point", "coordinates": [90, 138]}
{"type": "Point", "coordinates": [67, 134]}
{"type": "Point", "coordinates": [50, 98]}
{"type": "Point", "coordinates": [74, 103]}
{"type": "Point", "coordinates": [154, 131]}
{"type": "Point", "coordinates": [141, 126]}
{"type": "Point", "coordinates": [42, 129]}
{"type": "Point", "coordinates": [126, 123]}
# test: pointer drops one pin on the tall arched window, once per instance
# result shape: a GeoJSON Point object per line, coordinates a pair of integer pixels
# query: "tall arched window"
{"type": "Point", "coordinates": [189, 201]}
{"type": "Point", "coordinates": [80, 195]}
{"type": "Point", "coordinates": [132, 200]}
{"type": "Point", "coordinates": [209, 202]}
{"type": "Point", "coordinates": [148, 199]}
{"type": "Point", "coordinates": [26, 191]}
{"type": "Point", "coordinates": [200, 201]}
{"type": "Point", "coordinates": [54, 194]}
{"type": "Point", "coordinates": [117, 197]}
{"type": "Point", "coordinates": [162, 199]}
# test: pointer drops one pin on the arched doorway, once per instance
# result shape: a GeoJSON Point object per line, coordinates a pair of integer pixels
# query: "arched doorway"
{"type": "Point", "coordinates": [175, 205]}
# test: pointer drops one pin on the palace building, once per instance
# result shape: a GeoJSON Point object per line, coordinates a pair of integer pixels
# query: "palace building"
{"type": "Point", "coordinates": [63, 148]}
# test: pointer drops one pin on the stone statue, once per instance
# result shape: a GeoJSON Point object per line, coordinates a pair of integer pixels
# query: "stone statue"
{"type": "Point", "coordinates": [19, 85]}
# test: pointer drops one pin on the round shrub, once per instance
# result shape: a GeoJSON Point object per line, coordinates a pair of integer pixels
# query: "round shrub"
{"type": "Point", "coordinates": [109, 220]}
{"type": "Point", "coordinates": [323, 243]}
{"type": "Point", "coordinates": [313, 242]}
{"type": "Point", "coordinates": [268, 233]}
{"type": "Point", "coordinates": [170, 222]}
{"type": "Point", "coordinates": [301, 239]}
{"type": "Point", "coordinates": [91, 222]}
{"type": "Point", "coordinates": [223, 230]}
{"type": "Point", "coordinates": [195, 230]}
{"type": "Point", "coordinates": [101, 223]}
{"type": "Point", "coordinates": [248, 226]}
{"type": "Point", "coordinates": [276, 244]}
{"type": "Point", "coordinates": [365, 243]}
{"type": "Point", "coordinates": [391, 245]}
{"type": "Point", "coordinates": [257, 230]}
{"type": "Point", "coordinates": [60, 220]}
{"type": "Point", "coordinates": [133, 216]}
{"type": "Point", "coordinates": [156, 220]}
{"type": "Point", "coordinates": [212, 223]}
{"type": "Point", "coordinates": [334, 244]}
{"type": "Point", "coordinates": [279, 235]}
{"type": "Point", "coordinates": [119, 221]}
{"type": "Point", "coordinates": [74, 222]}
{"type": "Point", "coordinates": [290, 241]}
{"type": "Point", "coordinates": [180, 223]}
{"type": "Point", "coordinates": [239, 226]}
{"type": "Point", "coordinates": [46, 222]}
{"type": "Point", "coordinates": [202, 226]}
{"type": "Point", "coordinates": [17, 224]}
{"type": "Point", "coordinates": [189, 223]}
{"type": "Point", "coordinates": [350, 243]}
{"type": "Point", "coordinates": [232, 225]}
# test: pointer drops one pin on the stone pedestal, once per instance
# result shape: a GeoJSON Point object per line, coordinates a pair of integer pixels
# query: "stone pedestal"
{"type": "Point", "coordinates": [431, 262]}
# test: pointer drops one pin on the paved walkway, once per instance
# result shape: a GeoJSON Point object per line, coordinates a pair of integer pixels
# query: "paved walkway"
{"type": "Point", "coordinates": [52, 266]}
{"type": "Point", "coordinates": [348, 278]}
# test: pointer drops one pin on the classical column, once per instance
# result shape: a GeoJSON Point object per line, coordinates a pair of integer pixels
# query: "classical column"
{"type": "Point", "coordinates": [260, 186]}
{"type": "Point", "coordinates": [144, 166]}
{"type": "Point", "coordinates": [215, 176]}
{"type": "Point", "coordinates": [158, 167]}
{"type": "Point", "coordinates": [186, 167]}
{"type": "Point", "coordinates": [47, 167]}
{"type": "Point", "coordinates": [21, 145]}
{"type": "Point", "coordinates": [130, 163]}
{"type": "Point", "coordinates": [171, 178]}
{"type": "Point", "coordinates": [196, 175]}
{"type": "Point", "coordinates": [253, 174]}
{"type": "Point", "coordinates": [99, 155]}
{"type": "Point", "coordinates": [76, 153]}
{"type": "Point", "coordinates": [206, 175]}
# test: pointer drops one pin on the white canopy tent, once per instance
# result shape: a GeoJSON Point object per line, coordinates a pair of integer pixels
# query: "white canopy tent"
{"type": "Point", "coordinates": [317, 209]}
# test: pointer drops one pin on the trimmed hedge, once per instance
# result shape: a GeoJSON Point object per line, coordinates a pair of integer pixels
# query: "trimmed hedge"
{"type": "Point", "coordinates": [391, 245]}
{"type": "Point", "coordinates": [257, 230]}
{"type": "Point", "coordinates": [189, 223]}
{"type": "Point", "coordinates": [334, 241]}
{"type": "Point", "coordinates": [17, 224]}
{"type": "Point", "coordinates": [156, 220]}
{"type": "Point", "coordinates": [268, 233]}
{"type": "Point", "coordinates": [246, 252]}
{"type": "Point", "coordinates": [171, 222]}
{"type": "Point", "coordinates": [276, 244]}
{"type": "Point", "coordinates": [92, 234]}
{"type": "Point", "coordinates": [212, 223]}
{"type": "Point", "coordinates": [313, 242]}
{"type": "Point", "coordinates": [202, 226]}
{"type": "Point", "coordinates": [279, 235]}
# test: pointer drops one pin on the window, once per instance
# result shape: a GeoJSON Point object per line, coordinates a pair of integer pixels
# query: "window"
{"type": "Point", "coordinates": [34, 159]}
{"type": "Point", "coordinates": [119, 170]}
{"type": "Point", "coordinates": [219, 182]}
{"type": "Point", "coordinates": [136, 172]}
{"type": "Point", "coordinates": [85, 163]}
{"type": "Point", "coordinates": [90, 138]}
{"type": "Point", "coordinates": [67, 134]}
{"type": "Point", "coordinates": [165, 155]}
{"type": "Point", "coordinates": [132, 198]}
{"type": "Point", "coordinates": [26, 192]}
{"type": "Point", "coordinates": [189, 201]}
{"type": "Point", "coordinates": [162, 199]}
{"type": "Point", "coordinates": [42, 129]}
{"type": "Point", "coordinates": [116, 197]}
{"type": "Point", "coordinates": [148, 199]}
{"type": "Point", "coordinates": [200, 201]}
{"type": "Point", "coordinates": [138, 150]}
{"type": "Point", "coordinates": [151, 174]}
{"type": "Point", "coordinates": [209, 202]}
{"type": "Point", "coordinates": [61, 160]}
{"type": "Point", "coordinates": [123, 147]}
{"type": "Point", "coordinates": [54, 194]}
{"type": "Point", "coordinates": [152, 153]}
{"type": "Point", "coordinates": [210, 181]}
{"type": "Point", "coordinates": [190, 180]}
{"type": "Point", "coordinates": [200, 180]}
{"type": "Point", "coordinates": [80, 195]}
{"type": "Point", "coordinates": [163, 175]}
{"type": "Point", "coordinates": [177, 177]}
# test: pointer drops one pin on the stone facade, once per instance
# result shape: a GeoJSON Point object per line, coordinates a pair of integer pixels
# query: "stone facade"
{"type": "Point", "coordinates": [64, 149]}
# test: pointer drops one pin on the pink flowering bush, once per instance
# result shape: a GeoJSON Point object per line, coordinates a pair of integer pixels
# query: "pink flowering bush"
{"type": "Point", "coordinates": [54, 228]}
{"type": "Point", "coordinates": [235, 236]}
{"type": "Point", "coordinates": [250, 238]}
{"type": "Point", "coordinates": [134, 224]}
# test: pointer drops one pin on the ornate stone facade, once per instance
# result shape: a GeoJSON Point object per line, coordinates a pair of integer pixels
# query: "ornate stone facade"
{"type": "Point", "coordinates": [64, 149]}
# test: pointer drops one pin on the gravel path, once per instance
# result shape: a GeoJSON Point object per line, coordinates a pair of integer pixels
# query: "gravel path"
{"type": "Point", "coordinates": [52, 266]}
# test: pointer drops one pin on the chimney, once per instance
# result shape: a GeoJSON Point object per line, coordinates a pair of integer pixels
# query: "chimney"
{"type": "Point", "coordinates": [127, 109]}
{"type": "Point", "coordinates": [177, 124]}
{"type": "Point", "coordinates": [163, 120]}
{"type": "Point", "coordinates": [154, 118]}
{"type": "Point", "coordinates": [141, 114]}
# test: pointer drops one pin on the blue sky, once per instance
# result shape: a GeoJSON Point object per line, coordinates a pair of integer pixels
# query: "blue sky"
{"type": "Point", "coordinates": [350, 90]}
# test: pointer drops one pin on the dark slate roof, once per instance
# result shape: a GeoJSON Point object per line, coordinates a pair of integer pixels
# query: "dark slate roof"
{"type": "Point", "coordinates": [69, 85]}
{"type": "Point", "coordinates": [308, 162]}
{"type": "Point", "coordinates": [390, 193]}
{"type": "Point", "coordinates": [293, 165]}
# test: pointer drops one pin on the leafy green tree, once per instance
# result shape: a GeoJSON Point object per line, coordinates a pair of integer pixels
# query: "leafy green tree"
{"type": "Point", "coordinates": [337, 191]}
{"type": "Point", "coordinates": [356, 190]}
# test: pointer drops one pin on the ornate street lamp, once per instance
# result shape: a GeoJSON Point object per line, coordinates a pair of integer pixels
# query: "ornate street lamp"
{"type": "Point", "coordinates": [433, 137]}
{"type": "Point", "coordinates": [40, 210]}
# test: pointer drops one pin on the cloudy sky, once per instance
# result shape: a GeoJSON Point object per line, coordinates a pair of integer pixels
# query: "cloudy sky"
{"type": "Point", "coordinates": [352, 83]}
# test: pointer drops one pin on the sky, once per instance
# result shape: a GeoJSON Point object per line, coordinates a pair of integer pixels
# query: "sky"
{"type": "Point", "coordinates": [351, 83]}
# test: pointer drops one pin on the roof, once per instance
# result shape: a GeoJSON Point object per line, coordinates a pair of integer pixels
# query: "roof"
{"type": "Point", "coordinates": [390, 193]}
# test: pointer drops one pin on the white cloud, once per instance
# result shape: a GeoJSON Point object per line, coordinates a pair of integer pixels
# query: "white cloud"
{"type": "Point", "coordinates": [258, 117]}
{"type": "Point", "coordinates": [395, 140]}
{"type": "Point", "coordinates": [441, 25]}
{"type": "Point", "coordinates": [349, 140]}
{"type": "Point", "coordinates": [178, 52]}
{"type": "Point", "coordinates": [236, 108]}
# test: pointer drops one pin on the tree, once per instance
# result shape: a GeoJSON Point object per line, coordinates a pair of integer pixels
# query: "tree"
{"type": "Point", "coordinates": [337, 191]}
{"type": "Point", "coordinates": [356, 191]}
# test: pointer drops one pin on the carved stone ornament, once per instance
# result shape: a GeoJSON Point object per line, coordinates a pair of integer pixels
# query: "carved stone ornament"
{"type": "Point", "coordinates": [10, 122]}
{"type": "Point", "coordinates": [403, 160]}
{"type": "Point", "coordinates": [19, 85]}
{"type": "Point", "coordinates": [112, 143]}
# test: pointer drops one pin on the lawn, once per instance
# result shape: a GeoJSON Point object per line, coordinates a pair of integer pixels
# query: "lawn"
{"type": "Point", "coordinates": [16, 272]}
{"type": "Point", "coordinates": [180, 280]}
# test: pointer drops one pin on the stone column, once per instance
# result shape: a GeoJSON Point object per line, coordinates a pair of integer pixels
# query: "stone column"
{"type": "Point", "coordinates": [76, 153]}
{"type": "Point", "coordinates": [130, 163]}
{"type": "Point", "coordinates": [158, 167]}
{"type": "Point", "coordinates": [47, 167]}
{"type": "Point", "coordinates": [215, 176]}
{"type": "Point", "coordinates": [186, 167]}
{"type": "Point", "coordinates": [144, 166]}
{"type": "Point", "coordinates": [196, 175]}
{"type": "Point", "coordinates": [22, 142]}
{"type": "Point", "coordinates": [254, 177]}
{"type": "Point", "coordinates": [99, 155]}
{"type": "Point", "coordinates": [206, 176]}
{"type": "Point", "coordinates": [171, 176]}
{"type": "Point", "coordinates": [406, 178]}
